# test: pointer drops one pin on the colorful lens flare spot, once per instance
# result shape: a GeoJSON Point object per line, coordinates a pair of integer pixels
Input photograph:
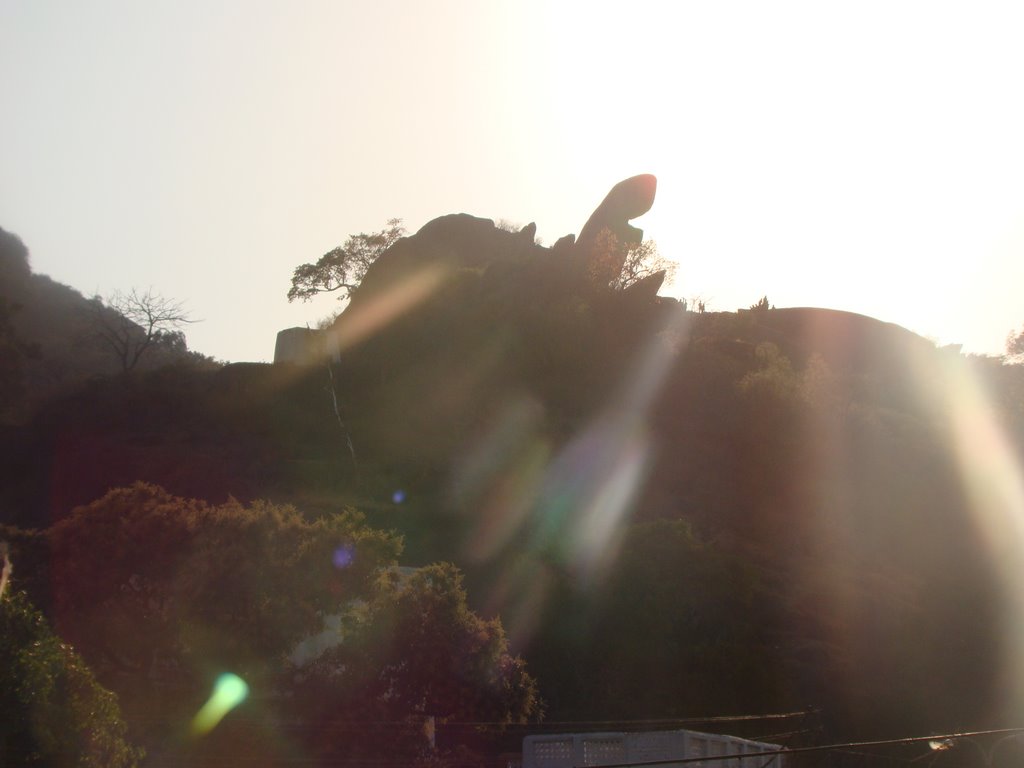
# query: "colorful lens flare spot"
{"type": "Point", "coordinates": [228, 692]}
{"type": "Point", "coordinates": [398, 496]}
{"type": "Point", "coordinates": [343, 557]}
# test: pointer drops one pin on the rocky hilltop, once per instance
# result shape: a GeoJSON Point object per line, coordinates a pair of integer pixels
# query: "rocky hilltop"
{"type": "Point", "coordinates": [451, 244]}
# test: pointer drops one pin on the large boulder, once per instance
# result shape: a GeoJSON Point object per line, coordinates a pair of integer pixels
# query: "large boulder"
{"type": "Point", "coordinates": [459, 243]}
{"type": "Point", "coordinates": [607, 235]}
{"type": "Point", "coordinates": [444, 246]}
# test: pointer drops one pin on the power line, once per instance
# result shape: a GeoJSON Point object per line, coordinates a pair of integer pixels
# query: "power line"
{"type": "Point", "coordinates": [664, 720]}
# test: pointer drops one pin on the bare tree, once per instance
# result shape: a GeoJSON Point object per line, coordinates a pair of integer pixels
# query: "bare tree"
{"type": "Point", "coordinates": [619, 266]}
{"type": "Point", "coordinates": [643, 260]}
{"type": "Point", "coordinates": [134, 322]}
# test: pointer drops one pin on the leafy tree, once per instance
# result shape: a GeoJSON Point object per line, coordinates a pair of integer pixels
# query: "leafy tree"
{"type": "Point", "coordinates": [762, 305]}
{"type": "Point", "coordinates": [775, 375]}
{"type": "Point", "coordinates": [132, 323]}
{"type": "Point", "coordinates": [156, 590]}
{"type": "Point", "coordinates": [54, 711]}
{"type": "Point", "coordinates": [414, 651]}
{"type": "Point", "coordinates": [15, 271]}
{"type": "Point", "coordinates": [343, 268]}
{"type": "Point", "coordinates": [159, 592]}
{"type": "Point", "coordinates": [820, 387]}
{"type": "Point", "coordinates": [14, 353]}
{"type": "Point", "coordinates": [678, 627]}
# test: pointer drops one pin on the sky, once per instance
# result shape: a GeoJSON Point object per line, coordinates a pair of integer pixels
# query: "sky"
{"type": "Point", "coordinates": [860, 156]}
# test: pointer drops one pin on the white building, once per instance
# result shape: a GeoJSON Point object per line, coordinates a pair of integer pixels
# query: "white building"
{"type": "Point", "coordinates": [573, 750]}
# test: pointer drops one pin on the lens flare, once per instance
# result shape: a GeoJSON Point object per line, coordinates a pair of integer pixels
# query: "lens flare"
{"type": "Point", "coordinates": [507, 507]}
{"type": "Point", "coordinates": [520, 594]}
{"type": "Point", "coordinates": [569, 506]}
{"type": "Point", "coordinates": [343, 556]}
{"type": "Point", "coordinates": [228, 692]}
{"type": "Point", "coordinates": [599, 532]}
{"type": "Point", "coordinates": [515, 426]}
{"type": "Point", "coordinates": [398, 496]}
{"type": "Point", "coordinates": [587, 495]}
{"type": "Point", "coordinates": [590, 487]}
{"type": "Point", "coordinates": [370, 317]}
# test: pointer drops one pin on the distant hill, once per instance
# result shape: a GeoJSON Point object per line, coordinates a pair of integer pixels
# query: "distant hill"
{"type": "Point", "coordinates": [56, 327]}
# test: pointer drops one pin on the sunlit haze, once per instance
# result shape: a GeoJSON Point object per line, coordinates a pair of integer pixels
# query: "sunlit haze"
{"type": "Point", "coordinates": [865, 157]}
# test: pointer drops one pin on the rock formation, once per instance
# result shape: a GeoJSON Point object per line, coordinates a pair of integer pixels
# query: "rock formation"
{"type": "Point", "coordinates": [627, 200]}
{"type": "Point", "coordinates": [452, 243]}
{"type": "Point", "coordinates": [459, 242]}
{"type": "Point", "coordinates": [463, 258]}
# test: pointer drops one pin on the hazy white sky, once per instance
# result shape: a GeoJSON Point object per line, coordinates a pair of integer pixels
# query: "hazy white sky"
{"type": "Point", "coordinates": [862, 156]}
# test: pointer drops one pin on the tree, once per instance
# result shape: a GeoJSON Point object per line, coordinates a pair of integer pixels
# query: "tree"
{"type": "Point", "coordinates": [678, 608]}
{"type": "Point", "coordinates": [1015, 345]}
{"type": "Point", "coordinates": [14, 353]}
{"type": "Point", "coordinates": [54, 711]}
{"type": "Point", "coordinates": [642, 261]}
{"type": "Point", "coordinates": [414, 651]}
{"type": "Point", "coordinates": [133, 323]}
{"type": "Point", "coordinates": [159, 591]}
{"type": "Point", "coordinates": [774, 380]}
{"type": "Point", "coordinates": [15, 280]}
{"type": "Point", "coordinates": [155, 590]}
{"type": "Point", "coordinates": [343, 268]}
{"type": "Point", "coordinates": [619, 270]}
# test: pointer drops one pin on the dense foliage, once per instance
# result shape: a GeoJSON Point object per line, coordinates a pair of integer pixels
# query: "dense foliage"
{"type": "Point", "coordinates": [163, 594]}
{"type": "Point", "coordinates": [413, 654]}
{"type": "Point", "coordinates": [158, 592]}
{"type": "Point", "coordinates": [54, 711]}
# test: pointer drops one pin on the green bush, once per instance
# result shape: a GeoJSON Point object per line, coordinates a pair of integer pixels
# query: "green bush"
{"type": "Point", "coordinates": [54, 711]}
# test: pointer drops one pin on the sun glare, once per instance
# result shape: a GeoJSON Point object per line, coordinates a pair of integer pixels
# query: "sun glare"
{"type": "Point", "coordinates": [993, 483]}
{"type": "Point", "coordinates": [571, 505]}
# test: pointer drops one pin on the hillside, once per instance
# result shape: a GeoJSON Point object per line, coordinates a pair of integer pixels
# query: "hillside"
{"type": "Point", "coordinates": [55, 332]}
{"type": "Point", "coordinates": [674, 513]}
